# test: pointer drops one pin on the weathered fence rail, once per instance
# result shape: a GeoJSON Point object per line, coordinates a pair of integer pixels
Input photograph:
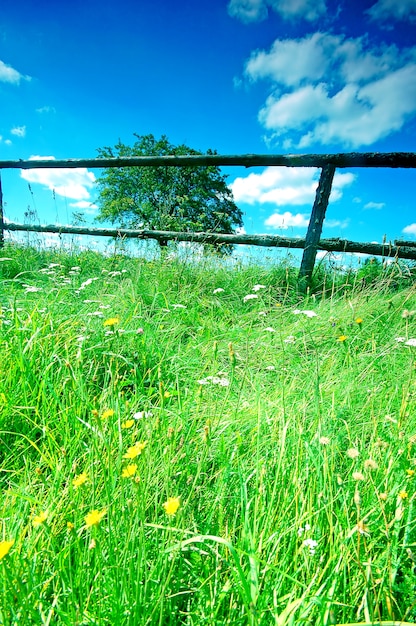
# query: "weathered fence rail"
{"type": "Point", "coordinates": [346, 159]}
{"type": "Point", "coordinates": [312, 242]}
{"type": "Point", "coordinates": [401, 250]}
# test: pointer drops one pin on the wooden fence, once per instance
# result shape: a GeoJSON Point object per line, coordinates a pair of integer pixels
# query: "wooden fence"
{"type": "Point", "coordinates": [310, 245]}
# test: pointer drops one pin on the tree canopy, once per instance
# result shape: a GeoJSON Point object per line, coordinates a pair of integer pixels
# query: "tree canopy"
{"type": "Point", "coordinates": [188, 198]}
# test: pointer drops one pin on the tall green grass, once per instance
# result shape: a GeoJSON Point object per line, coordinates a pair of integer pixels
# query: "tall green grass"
{"type": "Point", "coordinates": [287, 439]}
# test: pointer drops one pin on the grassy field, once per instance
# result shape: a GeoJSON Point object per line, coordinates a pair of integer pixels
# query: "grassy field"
{"type": "Point", "coordinates": [189, 444]}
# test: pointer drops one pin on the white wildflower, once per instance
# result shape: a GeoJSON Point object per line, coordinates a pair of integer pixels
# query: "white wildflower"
{"type": "Point", "coordinates": [258, 287]}
{"type": "Point", "coordinates": [218, 290]}
{"type": "Point", "coordinates": [289, 339]}
{"type": "Point", "coordinates": [311, 544]}
{"type": "Point", "coordinates": [410, 342]}
{"type": "Point", "coordinates": [139, 415]}
{"type": "Point", "coordinates": [250, 296]}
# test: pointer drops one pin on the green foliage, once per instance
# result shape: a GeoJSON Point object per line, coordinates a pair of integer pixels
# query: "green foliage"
{"type": "Point", "coordinates": [165, 198]}
{"type": "Point", "coordinates": [292, 450]}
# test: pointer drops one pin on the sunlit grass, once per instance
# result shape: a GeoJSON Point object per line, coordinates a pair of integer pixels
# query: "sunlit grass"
{"type": "Point", "coordinates": [188, 444]}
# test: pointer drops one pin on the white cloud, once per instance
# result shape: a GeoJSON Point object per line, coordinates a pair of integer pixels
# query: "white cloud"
{"type": "Point", "coordinates": [374, 205]}
{"type": "Point", "coordinates": [371, 92]}
{"type": "Point", "coordinates": [283, 221]}
{"type": "Point", "coordinates": [283, 186]}
{"type": "Point", "coordinates": [71, 183]}
{"type": "Point", "coordinates": [287, 220]}
{"type": "Point", "coordinates": [46, 109]}
{"type": "Point", "coordinates": [396, 9]}
{"type": "Point", "coordinates": [89, 207]}
{"type": "Point", "coordinates": [410, 229]}
{"type": "Point", "coordinates": [19, 131]}
{"type": "Point", "coordinates": [257, 10]}
{"type": "Point", "coordinates": [9, 75]}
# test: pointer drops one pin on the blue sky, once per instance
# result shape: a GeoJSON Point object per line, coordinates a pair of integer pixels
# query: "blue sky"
{"type": "Point", "coordinates": [237, 76]}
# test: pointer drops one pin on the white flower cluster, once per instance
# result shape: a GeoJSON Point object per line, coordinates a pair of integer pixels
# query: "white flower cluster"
{"type": "Point", "coordinates": [214, 380]}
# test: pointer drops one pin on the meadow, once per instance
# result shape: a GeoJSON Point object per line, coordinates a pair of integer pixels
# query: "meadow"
{"type": "Point", "coordinates": [185, 443]}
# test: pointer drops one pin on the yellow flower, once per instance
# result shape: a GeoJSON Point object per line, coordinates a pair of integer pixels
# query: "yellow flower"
{"type": "Point", "coordinates": [403, 495]}
{"type": "Point", "coordinates": [135, 450]}
{"type": "Point", "coordinates": [80, 480]}
{"type": "Point", "coordinates": [342, 338]}
{"type": "Point", "coordinates": [410, 472]}
{"type": "Point", "coordinates": [171, 506]}
{"type": "Point", "coordinates": [5, 548]}
{"type": "Point", "coordinates": [127, 424]}
{"type": "Point", "coordinates": [93, 518]}
{"type": "Point", "coordinates": [129, 470]}
{"type": "Point", "coordinates": [107, 413]}
{"type": "Point", "coordinates": [359, 321]}
{"type": "Point", "coordinates": [39, 519]}
{"type": "Point", "coordinates": [70, 526]}
{"type": "Point", "coordinates": [112, 321]}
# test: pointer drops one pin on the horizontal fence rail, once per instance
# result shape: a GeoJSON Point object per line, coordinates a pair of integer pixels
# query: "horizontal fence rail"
{"type": "Point", "coordinates": [401, 250]}
{"type": "Point", "coordinates": [350, 159]}
{"type": "Point", "coordinates": [328, 163]}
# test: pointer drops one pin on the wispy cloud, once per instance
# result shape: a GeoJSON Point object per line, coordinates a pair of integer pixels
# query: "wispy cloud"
{"type": "Point", "coordinates": [89, 207]}
{"type": "Point", "coordinates": [9, 75]}
{"type": "Point", "coordinates": [257, 10]}
{"type": "Point", "coordinates": [284, 186]}
{"type": "Point", "coordinates": [371, 92]}
{"type": "Point", "coordinates": [393, 9]}
{"type": "Point", "coordinates": [18, 131]}
{"type": "Point", "coordinates": [46, 109]}
{"type": "Point", "coordinates": [71, 183]}
{"type": "Point", "coordinates": [375, 206]}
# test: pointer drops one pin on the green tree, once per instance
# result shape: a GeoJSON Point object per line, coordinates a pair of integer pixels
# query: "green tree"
{"type": "Point", "coordinates": [188, 198]}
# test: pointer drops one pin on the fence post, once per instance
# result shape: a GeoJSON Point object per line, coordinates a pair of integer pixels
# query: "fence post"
{"type": "Point", "coordinates": [315, 226]}
{"type": "Point", "coordinates": [1, 216]}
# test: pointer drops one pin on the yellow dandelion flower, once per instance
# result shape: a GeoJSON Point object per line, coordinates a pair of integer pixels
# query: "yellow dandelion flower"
{"type": "Point", "coordinates": [93, 518]}
{"type": "Point", "coordinates": [80, 480]}
{"type": "Point", "coordinates": [342, 338]}
{"type": "Point", "coordinates": [112, 321]}
{"type": "Point", "coordinates": [127, 424]}
{"type": "Point", "coordinates": [403, 495]}
{"type": "Point", "coordinates": [5, 548]}
{"type": "Point", "coordinates": [359, 321]}
{"type": "Point", "coordinates": [410, 472]}
{"type": "Point", "coordinates": [171, 506]}
{"type": "Point", "coordinates": [107, 413]}
{"type": "Point", "coordinates": [135, 450]}
{"type": "Point", "coordinates": [39, 519]}
{"type": "Point", "coordinates": [70, 526]}
{"type": "Point", "coordinates": [129, 471]}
